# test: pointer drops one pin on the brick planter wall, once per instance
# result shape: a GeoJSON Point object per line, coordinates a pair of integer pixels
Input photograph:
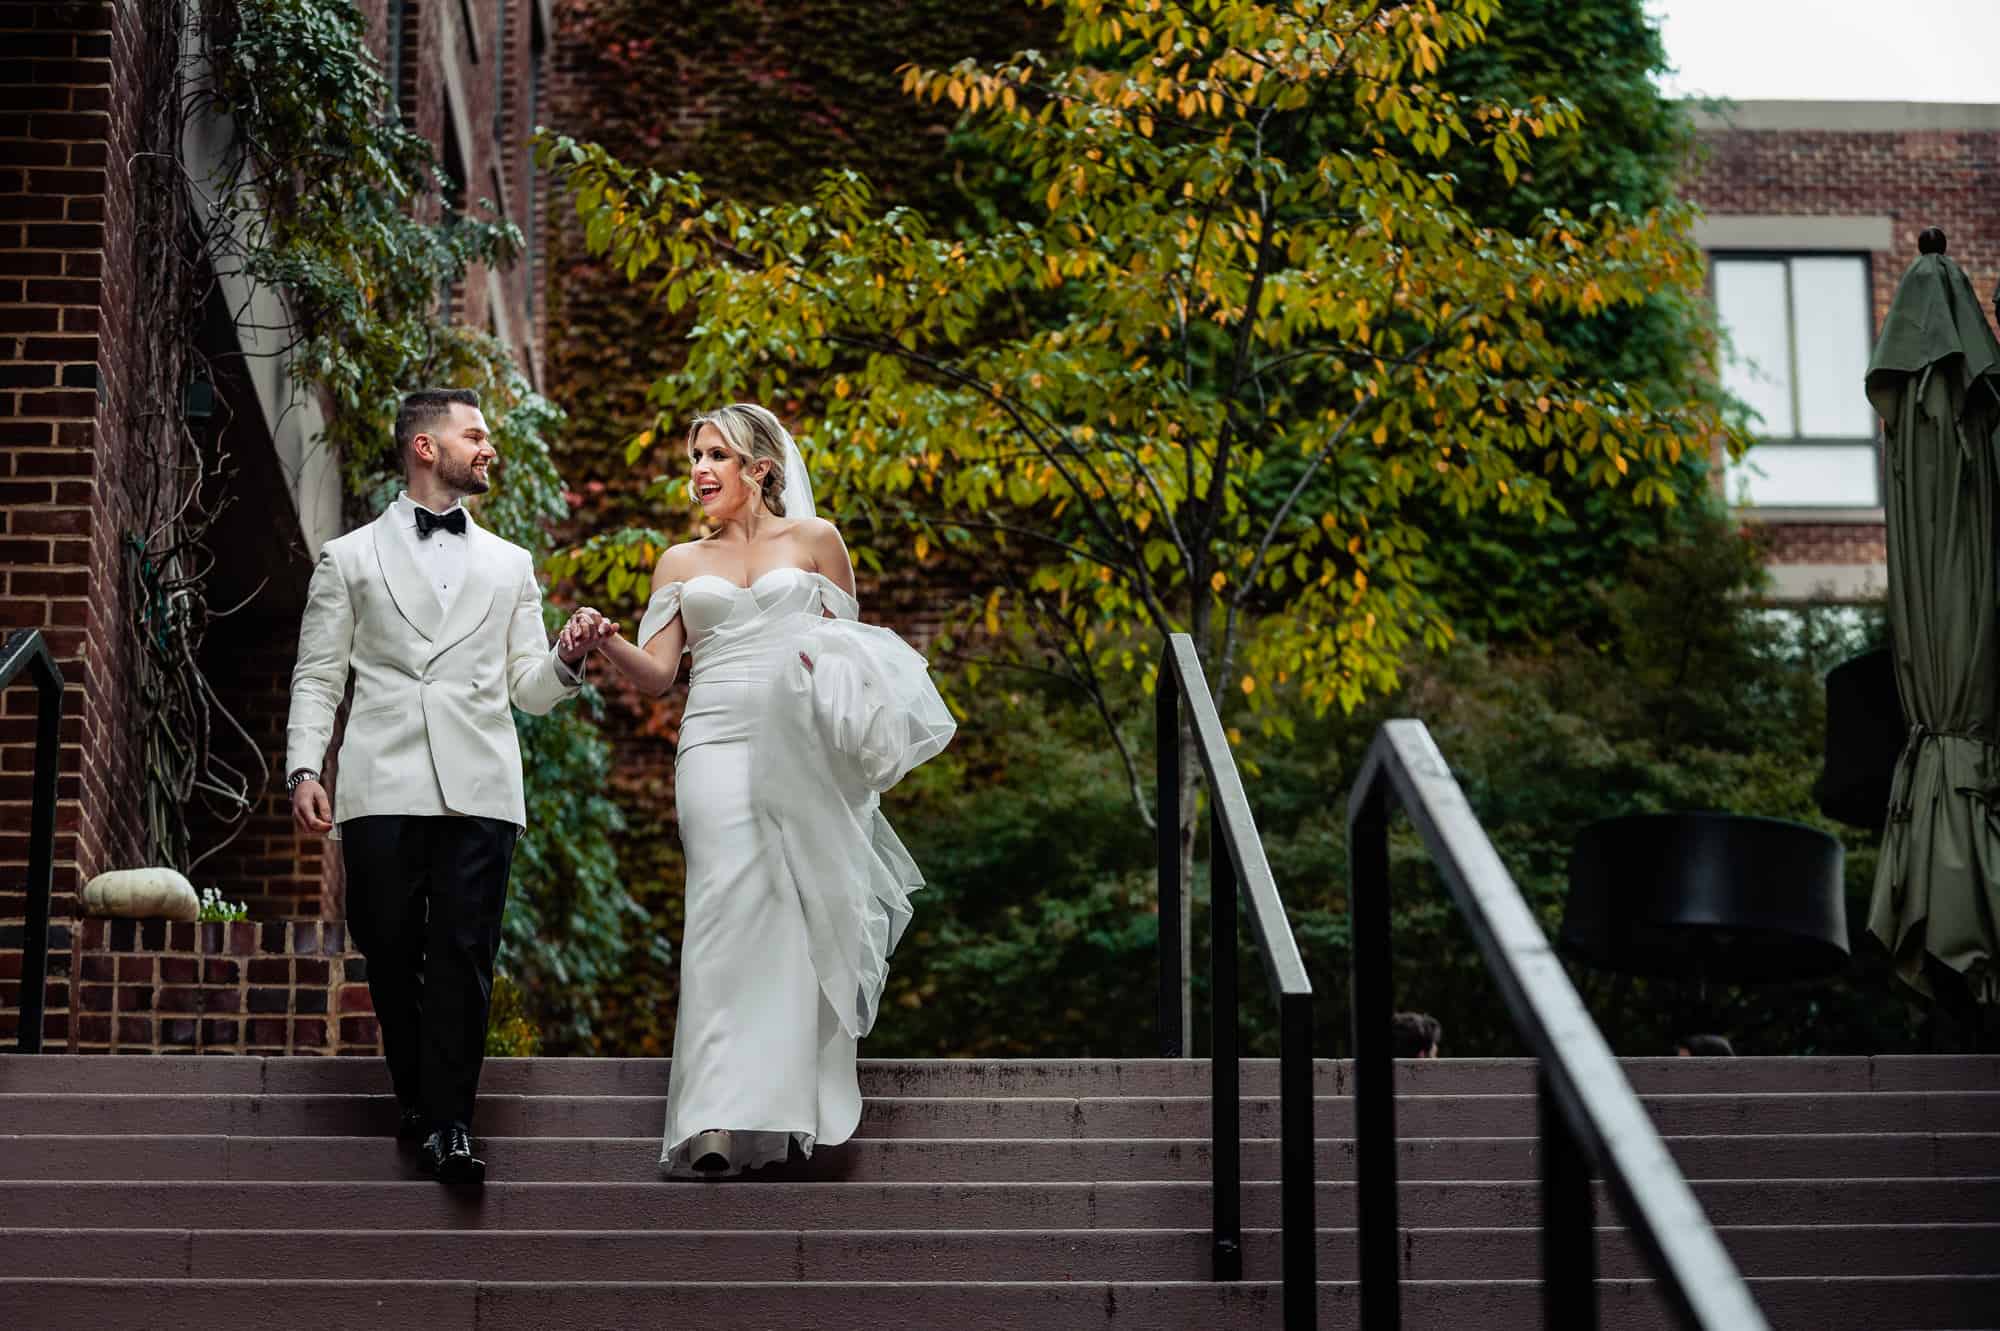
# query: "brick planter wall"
{"type": "Point", "coordinates": [155, 986]}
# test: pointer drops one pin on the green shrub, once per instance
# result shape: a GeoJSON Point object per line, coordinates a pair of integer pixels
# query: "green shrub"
{"type": "Point", "coordinates": [509, 1032]}
{"type": "Point", "coordinates": [1037, 932]}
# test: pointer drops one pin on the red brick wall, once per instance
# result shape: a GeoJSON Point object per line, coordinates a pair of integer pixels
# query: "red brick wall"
{"type": "Point", "coordinates": [1827, 543]}
{"type": "Point", "coordinates": [65, 285]}
{"type": "Point", "coordinates": [1942, 178]}
{"type": "Point", "coordinates": [1919, 178]}
{"type": "Point", "coordinates": [497, 164]}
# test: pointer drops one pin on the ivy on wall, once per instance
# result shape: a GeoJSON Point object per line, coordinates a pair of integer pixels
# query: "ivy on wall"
{"type": "Point", "coordinates": [756, 98]}
{"type": "Point", "coordinates": [332, 201]}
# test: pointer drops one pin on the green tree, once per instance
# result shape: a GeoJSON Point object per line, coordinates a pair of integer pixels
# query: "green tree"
{"type": "Point", "coordinates": [1225, 379]}
{"type": "Point", "coordinates": [1501, 579]}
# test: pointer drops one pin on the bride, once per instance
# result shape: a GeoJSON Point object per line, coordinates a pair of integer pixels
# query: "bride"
{"type": "Point", "coordinates": [797, 718]}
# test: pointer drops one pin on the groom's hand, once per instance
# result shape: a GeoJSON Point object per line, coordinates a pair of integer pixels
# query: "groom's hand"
{"type": "Point", "coordinates": [312, 811]}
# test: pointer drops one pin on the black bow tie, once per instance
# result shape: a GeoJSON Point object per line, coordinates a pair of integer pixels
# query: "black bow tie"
{"type": "Point", "coordinates": [428, 522]}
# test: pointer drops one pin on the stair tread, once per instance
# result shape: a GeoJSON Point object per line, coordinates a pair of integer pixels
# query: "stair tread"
{"type": "Point", "coordinates": [987, 1077]}
{"type": "Point", "coordinates": [1915, 1301]}
{"type": "Point", "coordinates": [418, 1203]}
{"type": "Point", "coordinates": [859, 1254]}
{"type": "Point", "coordinates": [610, 1158]}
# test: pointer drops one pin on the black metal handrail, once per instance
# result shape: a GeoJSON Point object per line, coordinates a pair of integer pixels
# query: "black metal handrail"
{"type": "Point", "coordinates": [1591, 1122]}
{"type": "Point", "coordinates": [28, 650]}
{"type": "Point", "coordinates": [1236, 859]}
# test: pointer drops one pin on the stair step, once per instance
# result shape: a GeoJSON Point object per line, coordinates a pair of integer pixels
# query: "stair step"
{"type": "Point", "coordinates": [1815, 1303]}
{"type": "Point", "coordinates": [933, 1254]}
{"type": "Point", "coordinates": [990, 1078]}
{"type": "Point", "coordinates": [1129, 1116]}
{"type": "Point", "coordinates": [634, 1159]}
{"type": "Point", "coordinates": [421, 1204]}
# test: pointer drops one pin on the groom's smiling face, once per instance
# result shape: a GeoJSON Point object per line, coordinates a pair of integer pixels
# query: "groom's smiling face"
{"type": "Point", "coordinates": [463, 452]}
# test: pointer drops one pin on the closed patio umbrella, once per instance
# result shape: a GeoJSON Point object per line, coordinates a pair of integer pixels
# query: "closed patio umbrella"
{"type": "Point", "coordinates": [1935, 380]}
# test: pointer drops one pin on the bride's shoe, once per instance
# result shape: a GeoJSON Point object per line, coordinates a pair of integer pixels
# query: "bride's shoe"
{"type": "Point", "coordinates": [709, 1152]}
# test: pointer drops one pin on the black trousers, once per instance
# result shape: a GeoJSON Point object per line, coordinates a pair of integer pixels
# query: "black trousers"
{"type": "Point", "coordinates": [424, 896]}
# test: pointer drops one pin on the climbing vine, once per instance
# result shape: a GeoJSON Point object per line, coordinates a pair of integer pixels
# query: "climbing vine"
{"type": "Point", "coordinates": [192, 748]}
{"type": "Point", "coordinates": [326, 198]}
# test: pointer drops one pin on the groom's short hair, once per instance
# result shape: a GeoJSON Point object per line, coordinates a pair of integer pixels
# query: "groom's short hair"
{"type": "Point", "coordinates": [422, 410]}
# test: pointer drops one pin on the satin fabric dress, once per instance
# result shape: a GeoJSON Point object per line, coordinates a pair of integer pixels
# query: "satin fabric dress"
{"type": "Point", "coordinates": [758, 1048]}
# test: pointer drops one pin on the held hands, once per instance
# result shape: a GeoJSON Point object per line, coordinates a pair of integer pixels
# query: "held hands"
{"type": "Point", "coordinates": [312, 811]}
{"type": "Point", "coordinates": [587, 628]}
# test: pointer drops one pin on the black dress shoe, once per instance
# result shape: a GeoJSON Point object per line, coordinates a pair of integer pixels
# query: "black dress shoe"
{"type": "Point", "coordinates": [448, 1157]}
{"type": "Point", "coordinates": [412, 1127]}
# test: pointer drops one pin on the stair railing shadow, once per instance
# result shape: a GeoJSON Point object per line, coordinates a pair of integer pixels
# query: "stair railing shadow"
{"type": "Point", "coordinates": [1236, 863]}
{"type": "Point", "coordinates": [1591, 1121]}
{"type": "Point", "coordinates": [28, 651]}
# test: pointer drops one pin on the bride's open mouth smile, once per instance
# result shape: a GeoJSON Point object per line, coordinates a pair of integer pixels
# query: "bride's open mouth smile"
{"type": "Point", "coordinates": [707, 490]}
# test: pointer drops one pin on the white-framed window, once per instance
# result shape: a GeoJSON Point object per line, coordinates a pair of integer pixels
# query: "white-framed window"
{"type": "Point", "coordinates": [1800, 327]}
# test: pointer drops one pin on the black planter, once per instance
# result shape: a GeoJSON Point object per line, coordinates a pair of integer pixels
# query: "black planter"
{"type": "Point", "coordinates": [1865, 734]}
{"type": "Point", "coordinates": [1706, 896]}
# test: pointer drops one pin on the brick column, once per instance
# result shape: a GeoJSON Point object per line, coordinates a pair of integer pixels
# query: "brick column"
{"type": "Point", "coordinates": [62, 507]}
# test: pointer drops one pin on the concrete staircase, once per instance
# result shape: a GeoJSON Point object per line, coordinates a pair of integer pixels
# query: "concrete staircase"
{"type": "Point", "coordinates": [242, 1192]}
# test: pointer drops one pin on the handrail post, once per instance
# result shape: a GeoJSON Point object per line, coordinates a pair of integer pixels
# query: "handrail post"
{"type": "Point", "coordinates": [1590, 1116]}
{"type": "Point", "coordinates": [1298, 1148]}
{"type": "Point", "coordinates": [1225, 1076]}
{"type": "Point", "coordinates": [1569, 1236]}
{"type": "Point", "coordinates": [1374, 1061]}
{"type": "Point", "coordinates": [1167, 828]}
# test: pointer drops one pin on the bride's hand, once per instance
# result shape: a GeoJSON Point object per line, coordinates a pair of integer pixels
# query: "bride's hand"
{"type": "Point", "coordinates": [587, 628]}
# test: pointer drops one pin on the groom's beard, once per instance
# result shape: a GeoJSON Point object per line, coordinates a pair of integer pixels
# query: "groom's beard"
{"type": "Point", "coordinates": [461, 477]}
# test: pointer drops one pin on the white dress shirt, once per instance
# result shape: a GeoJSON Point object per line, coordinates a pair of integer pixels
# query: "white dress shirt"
{"type": "Point", "coordinates": [442, 556]}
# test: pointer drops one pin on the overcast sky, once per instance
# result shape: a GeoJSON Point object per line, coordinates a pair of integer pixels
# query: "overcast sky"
{"type": "Point", "coordinates": [1833, 50]}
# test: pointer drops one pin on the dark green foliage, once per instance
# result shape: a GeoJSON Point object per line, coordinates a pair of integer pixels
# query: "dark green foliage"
{"type": "Point", "coordinates": [1509, 580]}
{"type": "Point", "coordinates": [1601, 56]}
{"type": "Point", "coordinates": [1035, 931]}
{"type": "Point", "coordinates": [1034, 935]}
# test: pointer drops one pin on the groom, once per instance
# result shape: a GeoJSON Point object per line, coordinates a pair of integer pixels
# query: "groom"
{"type": "Point", "coordinates": [440, 624]}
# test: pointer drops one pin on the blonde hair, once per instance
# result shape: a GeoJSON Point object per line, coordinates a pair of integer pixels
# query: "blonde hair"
{"type": "Point", "coordinates": [754, 435]}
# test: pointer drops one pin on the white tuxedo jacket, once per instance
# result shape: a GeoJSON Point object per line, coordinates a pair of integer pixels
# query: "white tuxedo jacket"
{"type": "Point", "coordinates": [431, 730]}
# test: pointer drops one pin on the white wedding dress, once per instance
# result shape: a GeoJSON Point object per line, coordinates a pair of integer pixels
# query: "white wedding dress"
{"type": "Point", "coordinates": [796, 888]}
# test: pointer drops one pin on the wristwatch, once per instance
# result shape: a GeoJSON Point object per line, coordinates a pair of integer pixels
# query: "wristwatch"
{"type": "Point", "coordinates": [299, 778]}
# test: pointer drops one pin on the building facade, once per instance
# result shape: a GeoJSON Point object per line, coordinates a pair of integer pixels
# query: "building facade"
{"type": "Point", "coordinates": [1812, 214]}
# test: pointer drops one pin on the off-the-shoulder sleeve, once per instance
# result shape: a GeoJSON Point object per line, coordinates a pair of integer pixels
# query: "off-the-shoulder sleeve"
{"type": "Point", "coordinates": [841, 603]}
{"type": "Point", "coordinates": [660, 611]}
